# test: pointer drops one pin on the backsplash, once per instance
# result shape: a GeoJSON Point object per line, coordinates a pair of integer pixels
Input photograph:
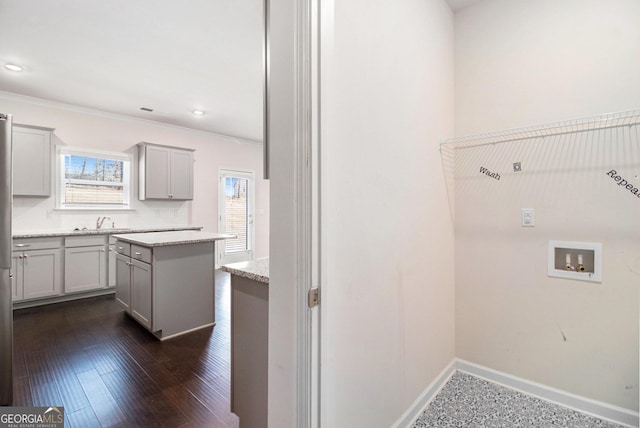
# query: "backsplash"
{"type": "Point", "coordinates": [38, 214]}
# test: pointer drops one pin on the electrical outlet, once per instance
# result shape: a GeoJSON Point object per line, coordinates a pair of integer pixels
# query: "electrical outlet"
{"type": "Point", "coordinates": [528, 217]}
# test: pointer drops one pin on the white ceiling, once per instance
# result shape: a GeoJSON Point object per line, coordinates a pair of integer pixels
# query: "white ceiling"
{"type": "Point", "coordinates": [121, 55]}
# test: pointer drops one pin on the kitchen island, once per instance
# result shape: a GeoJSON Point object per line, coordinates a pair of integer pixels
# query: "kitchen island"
{"type": "Point", "coordinates": [249, 340]}
{"type": "Point", "coordinates": [165, 280]}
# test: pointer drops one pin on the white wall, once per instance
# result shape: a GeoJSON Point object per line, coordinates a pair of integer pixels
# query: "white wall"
{"type": "Point", "coordinates": [388, 273]}
{"type": "Point", "coordinates": [78, 127]}
{"type": "Point", "coordinates": [525, 62]}
{"type": "Point", "coordinates": [522, 63]}
{"type": "Point", "coordinates": [576, 336]}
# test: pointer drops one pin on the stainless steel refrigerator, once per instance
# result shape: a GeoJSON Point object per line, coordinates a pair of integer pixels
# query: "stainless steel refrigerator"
{"type": "Point", "coordinates": [6, 308]}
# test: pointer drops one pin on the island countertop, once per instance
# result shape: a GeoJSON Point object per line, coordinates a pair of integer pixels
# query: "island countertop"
{"type": "Point", "coordinates": [257, 270]}
{"type": "Point", "coordinates": [161, 239]}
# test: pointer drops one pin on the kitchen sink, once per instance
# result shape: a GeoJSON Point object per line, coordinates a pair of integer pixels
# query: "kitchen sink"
{"type": "Point", "coordinates": [102, 230]}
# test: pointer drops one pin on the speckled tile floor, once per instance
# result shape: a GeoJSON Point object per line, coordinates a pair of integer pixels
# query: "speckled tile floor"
{"type": "Point", "coordinates": [471, 402]}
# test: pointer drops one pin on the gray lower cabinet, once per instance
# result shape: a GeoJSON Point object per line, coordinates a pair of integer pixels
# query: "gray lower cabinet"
{"type": "Point", "coordinates": [86, 263]}
{"type": "Point", "coordinates": [111, 277]}
{"type": "Point", "coordinates": [141, 293]}
{"type": "Point", "coordinates": [16, 279]}
{"type": "Point", "coordinates": [47, 269]}
{"type": "Point", "coordinates": [134, 282]}
{"type": "Point", "coordinates": [123, 281]}
{"type": "Point", "coordinates": [37, 266]}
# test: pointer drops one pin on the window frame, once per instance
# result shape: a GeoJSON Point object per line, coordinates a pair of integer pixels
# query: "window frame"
{"type": "Point", "coordinates": [127, 159]}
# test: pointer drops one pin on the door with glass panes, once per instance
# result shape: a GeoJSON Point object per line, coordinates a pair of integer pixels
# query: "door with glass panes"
{"type": "Point", "coordinates": [235, 215]}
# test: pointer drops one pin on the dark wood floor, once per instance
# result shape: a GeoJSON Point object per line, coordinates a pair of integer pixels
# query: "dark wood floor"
{"type": "Point", "coordinates": [107, 371]}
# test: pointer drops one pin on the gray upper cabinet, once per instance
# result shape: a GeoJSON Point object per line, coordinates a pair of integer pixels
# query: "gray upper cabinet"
{"type": "Point", "coordinates": [181, 174]}
{"type": "Point", "coordinates": [164, 172]}
{"type": "Point", "coordinates": [31, 161]}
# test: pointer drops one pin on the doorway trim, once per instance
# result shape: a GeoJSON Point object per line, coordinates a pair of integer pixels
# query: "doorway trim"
{"type": "Point", "coordinates": [294, 105]}
{"type": "Point", "coordinates": [308, 194]}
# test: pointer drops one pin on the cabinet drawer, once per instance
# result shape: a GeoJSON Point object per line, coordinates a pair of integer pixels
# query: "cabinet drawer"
{"type": "Point", "coordinates": [123, 248]}
{"type": "Point", "coordinates": [112, 240]}
{"type": "Point", "coordinates": [141, 253]}
{"type": "Point", "coordinates": [36, 243]}
{"type": "Point", "coordinates": [84, 241]}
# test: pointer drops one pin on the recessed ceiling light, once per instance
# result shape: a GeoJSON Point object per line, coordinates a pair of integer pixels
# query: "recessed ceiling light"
{"type": "Point", "coordinates": [198, 112]}
{"type": "Point", "coordinates": [13, 67]}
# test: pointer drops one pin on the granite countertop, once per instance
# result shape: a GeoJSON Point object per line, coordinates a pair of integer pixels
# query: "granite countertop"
{"type": "Point", "coordinates": [257, 270]}
{"type": "Point", "coordinates": [161, 239]}
{"type": "Point", "coordinates": [105, 231]}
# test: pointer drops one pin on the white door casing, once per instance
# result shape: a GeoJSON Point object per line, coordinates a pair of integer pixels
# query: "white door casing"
{"type": "Point", "coordinates": [294, 125]}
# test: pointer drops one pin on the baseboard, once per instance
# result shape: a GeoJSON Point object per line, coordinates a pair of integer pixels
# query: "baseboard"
{"type": "Point", "coordinates": [595, 408]}
{"type": "Point", "coordinates": [418, 406]}
{"type": "Point", "coordinates": [63, 298]}
{"type": "Point", "coordinates": [182, 333]}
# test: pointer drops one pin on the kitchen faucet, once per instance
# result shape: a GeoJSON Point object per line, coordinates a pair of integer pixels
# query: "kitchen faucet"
{"type": "Point", "coordinates": [101, 220]}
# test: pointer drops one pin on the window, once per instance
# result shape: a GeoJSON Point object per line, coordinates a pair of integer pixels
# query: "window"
{"type": "Point", "coordinates": [93, 179]}
{"type": "Point", "coordinates": [236, 208]}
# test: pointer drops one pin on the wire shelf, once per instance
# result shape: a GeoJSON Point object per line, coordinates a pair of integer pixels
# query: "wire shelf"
{"type": "Point", "coordinates": [603, 121]}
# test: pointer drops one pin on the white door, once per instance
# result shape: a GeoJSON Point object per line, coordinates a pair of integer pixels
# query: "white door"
{"type": "Point", "coordinates": [235, 206]}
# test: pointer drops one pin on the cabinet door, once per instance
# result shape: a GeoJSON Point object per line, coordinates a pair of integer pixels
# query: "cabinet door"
{"type": "Point", "coordinates": [181, 177]}
{"type": "Point", "coordinates": [42, 273]}
{"type": "Point", "coordinates": [16, 279]}
{"type": "Point", "coordinates": [111, 277]}
{"type": "Point", "coordinates": [157, 172]}
{"type": "Point", "coordinates": [123, 281]}
{"type": "Point", "coordinates": [141, 297]}
{"type": "Point", "coordinates": [85, 268]}
{"type": "Point", "coordinates": [165, 172]}
{"type": "Point", "coordinates": [31, 161]}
